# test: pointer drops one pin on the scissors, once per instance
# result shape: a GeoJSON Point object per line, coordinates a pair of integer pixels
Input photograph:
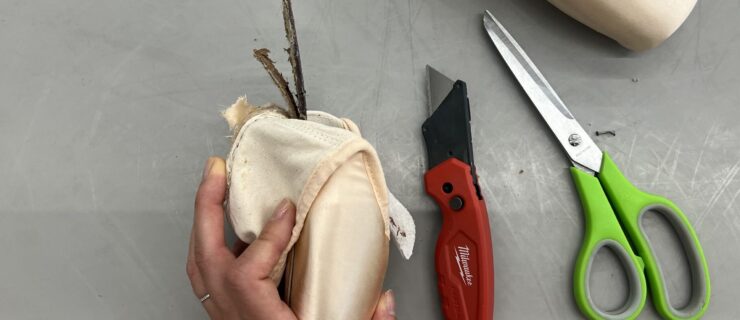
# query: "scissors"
{"type": "Point", "coordinates": [612, 206]}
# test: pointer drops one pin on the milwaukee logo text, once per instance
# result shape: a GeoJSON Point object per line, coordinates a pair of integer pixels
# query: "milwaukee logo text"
{"type": "Point", "coordinates": [462, 256]}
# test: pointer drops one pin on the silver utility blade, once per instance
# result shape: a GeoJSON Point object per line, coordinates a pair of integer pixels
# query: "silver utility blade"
{"type": "Point", "coordinates": [439, 86]}
{"type": "Point", "coordinates": [581, 150]}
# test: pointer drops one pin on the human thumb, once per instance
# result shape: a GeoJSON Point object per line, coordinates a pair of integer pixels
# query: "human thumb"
{"type": "Point", "coordinates": [386, 309]}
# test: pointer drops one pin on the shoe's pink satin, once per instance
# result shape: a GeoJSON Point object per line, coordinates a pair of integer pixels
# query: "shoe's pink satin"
{"type": "Point", "coordinates": [336, 269]}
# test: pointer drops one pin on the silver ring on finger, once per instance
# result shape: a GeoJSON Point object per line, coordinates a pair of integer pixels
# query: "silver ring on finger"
{"type": "Point", "coordinates": [205, 297]}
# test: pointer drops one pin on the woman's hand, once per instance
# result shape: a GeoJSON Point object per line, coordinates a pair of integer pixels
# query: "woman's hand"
{"type": "Point", "coordinates": [236, 281]}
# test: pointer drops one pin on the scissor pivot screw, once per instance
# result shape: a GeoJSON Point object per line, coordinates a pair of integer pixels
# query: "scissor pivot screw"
{"type": "Point", "coordinates": [574, 140]}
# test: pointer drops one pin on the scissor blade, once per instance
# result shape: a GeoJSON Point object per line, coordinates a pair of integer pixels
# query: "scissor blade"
{"type": "Point", "coordinates": [581, 150]}
{"type": "Point", "coordinates": [439, 86]}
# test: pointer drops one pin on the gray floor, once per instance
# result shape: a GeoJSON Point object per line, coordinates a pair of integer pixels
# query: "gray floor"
{"type": "Point", "coordinates": [109, 109]}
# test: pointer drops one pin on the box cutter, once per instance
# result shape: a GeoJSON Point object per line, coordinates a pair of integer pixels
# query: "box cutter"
{"type": "Point", "coordinates": [464, 254]}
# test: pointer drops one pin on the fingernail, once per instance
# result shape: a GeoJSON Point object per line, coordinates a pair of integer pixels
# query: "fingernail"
{"type": "Point", "coordinates": [207, 169]}
{"type": "Point", "coordinates": [281, 210]}
{"type": "Point", "coordinates": [390, 303]}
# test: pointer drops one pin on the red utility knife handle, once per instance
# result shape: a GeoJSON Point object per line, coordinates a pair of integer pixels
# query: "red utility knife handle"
{"type": "Point", "coordinates": [464, 254]}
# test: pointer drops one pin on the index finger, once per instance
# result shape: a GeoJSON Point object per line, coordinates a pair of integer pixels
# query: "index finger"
{"type": "Point", "coordinates": [208, 224]}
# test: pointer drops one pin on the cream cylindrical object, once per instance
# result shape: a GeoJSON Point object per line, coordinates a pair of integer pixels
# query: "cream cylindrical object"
{"type": "Point", "coordinates": [636, 24]}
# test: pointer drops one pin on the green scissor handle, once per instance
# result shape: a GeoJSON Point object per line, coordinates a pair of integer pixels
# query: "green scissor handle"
{"type": "Point", "coordinates": [603, 231]}
{"type": "Point", "coordinates": [610, 189]}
